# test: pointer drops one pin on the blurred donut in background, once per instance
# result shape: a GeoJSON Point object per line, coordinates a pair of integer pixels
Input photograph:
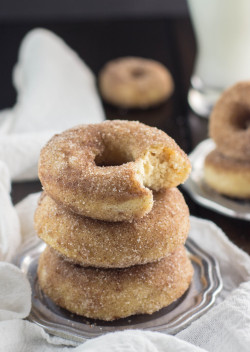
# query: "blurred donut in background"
{"type": "Point", "coordinates": [135, 83]}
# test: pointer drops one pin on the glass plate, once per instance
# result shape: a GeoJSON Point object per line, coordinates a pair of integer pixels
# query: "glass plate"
{"type": "Point", "coordinates": [196, 301]}
{"type": "Point", "coordinates": [204, 195]}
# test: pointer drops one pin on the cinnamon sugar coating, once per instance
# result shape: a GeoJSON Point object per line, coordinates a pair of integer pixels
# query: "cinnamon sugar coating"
{"type": "Point", "coordinates": [133, 82]}
{"type": "Point", "coordinates": [110, 294]}
{"type": "Point", "coordinates": [74, 168]}
{"type": "Point", "coordinates": [98, 243]}
{"type": "Point", "coordinates": [227, 176]}
{"type": "Point", "coordinates": [230, 122]}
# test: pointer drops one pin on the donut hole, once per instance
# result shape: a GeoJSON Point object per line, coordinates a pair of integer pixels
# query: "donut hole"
{"type": "Point", "coordinates": [241, 117]}
{"type": "Point", "coordinates": [112, 157]}
{"type": "Point", "coordinates": [137, 72]}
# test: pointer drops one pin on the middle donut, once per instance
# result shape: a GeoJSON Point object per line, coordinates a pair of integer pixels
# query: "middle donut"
{"type": "Point", "coordinates": [97, 243]}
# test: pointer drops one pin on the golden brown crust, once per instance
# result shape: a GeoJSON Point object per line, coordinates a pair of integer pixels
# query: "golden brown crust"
{"type": "Point", "coordinates": [133, 82]}
{"type": "Point", "coordinates": [227, 176]}
{"type": "Point", "coordinates": [69, 171]}
{"type": "Point", "coordinates": [230, 122]}
{"type": "Point", "coordinates": [97, 243]}
{"type": "Point", "coordinates": [110, 294]}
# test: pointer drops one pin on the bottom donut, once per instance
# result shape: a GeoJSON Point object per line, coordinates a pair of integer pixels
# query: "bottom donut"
{"type": "Point", "coordinates": [227, 176]}
{"type": "Point", "coordinates": [110, 294]}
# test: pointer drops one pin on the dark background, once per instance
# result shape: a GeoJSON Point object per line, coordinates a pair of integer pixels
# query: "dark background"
{"type": "Point", "coordinates": [11, 10]}
{"type": "Point", "coordinates": [102, 30]}
{"type": "Point", "coordinates": [99, 31]}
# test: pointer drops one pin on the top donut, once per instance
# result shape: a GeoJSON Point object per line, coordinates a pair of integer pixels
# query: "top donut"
{"type": "Point", "coordinates": [133, 82]}
{"type": "Point", "coordinates": [230, 122]}
{"type": "Point", "coordinates": [107, 171]}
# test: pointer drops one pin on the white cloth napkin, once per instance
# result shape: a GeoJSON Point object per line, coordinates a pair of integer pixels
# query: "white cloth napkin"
{"type": "Point", "coordinates": [10, 237]}
{"type": "Point", "coordinates": [15, 293]}
{"type": "Point", "coordinates": [47, 76]}
{"type": "Point", "coordinates": [55, 91]}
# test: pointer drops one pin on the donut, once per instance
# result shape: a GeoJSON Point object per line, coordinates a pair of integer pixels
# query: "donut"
{"type": "Point", "coordinates": [230, 177]}
{"type": "Point", "coordinates": [133, 82]}
{"type": "Point", "coordinates": [110, 294]}
{"type": "Point", "coordinates": [97, 243]}
{"type": "Point", "coordinates": [107, 171]}
{"type": "Point", "coordinates": [230, 122]}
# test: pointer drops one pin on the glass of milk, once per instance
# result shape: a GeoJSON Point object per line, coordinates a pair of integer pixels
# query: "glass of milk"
{"type": "Point", "coordinates": [222, 29]}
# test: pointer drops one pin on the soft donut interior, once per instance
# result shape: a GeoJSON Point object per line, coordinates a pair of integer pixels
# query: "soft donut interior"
{"type": "Point", "coordinates": [162, 168]}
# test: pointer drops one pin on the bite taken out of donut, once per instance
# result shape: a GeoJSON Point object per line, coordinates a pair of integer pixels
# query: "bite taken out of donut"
{"type": "Point", "coordinates": [107, 171]}
{"type": "Point", "coordinates": [133, 82]}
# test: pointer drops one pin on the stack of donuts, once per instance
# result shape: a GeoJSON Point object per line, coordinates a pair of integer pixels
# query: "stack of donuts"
{"type": "Point", "coordinates": [113, 220]}
{"type": "Point", "coordinates": [227, 168]}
